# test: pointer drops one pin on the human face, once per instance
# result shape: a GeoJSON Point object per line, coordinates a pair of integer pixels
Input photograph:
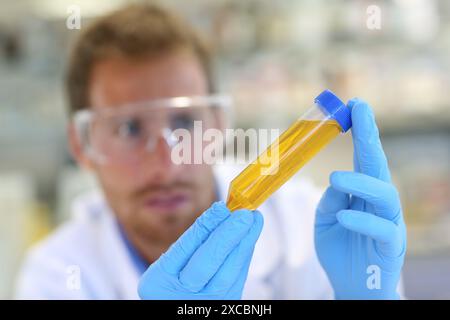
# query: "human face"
{"type": "Point", "coordinates": [153, 199]}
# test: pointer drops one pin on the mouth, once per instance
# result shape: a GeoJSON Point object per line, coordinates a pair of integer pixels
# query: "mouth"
{"type": "Point", "coordinates": [166, 202]}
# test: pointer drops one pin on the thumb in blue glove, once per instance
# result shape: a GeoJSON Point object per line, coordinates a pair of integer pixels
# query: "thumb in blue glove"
{"type": "Point", "coordinates": [209, 261]}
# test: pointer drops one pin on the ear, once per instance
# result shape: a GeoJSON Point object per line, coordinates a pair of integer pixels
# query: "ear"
{"type": "Point", "coordinates": [76, 148]}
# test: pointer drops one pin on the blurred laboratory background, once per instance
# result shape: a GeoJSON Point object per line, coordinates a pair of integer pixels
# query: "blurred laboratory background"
{"type": "Point", "coordinates": [273, 57]}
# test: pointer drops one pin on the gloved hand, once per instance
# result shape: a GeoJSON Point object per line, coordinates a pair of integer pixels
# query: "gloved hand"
{"type": "Point", "coordinates": [360, 235]}
{"type": "Point", "coordinates": [209, 261]}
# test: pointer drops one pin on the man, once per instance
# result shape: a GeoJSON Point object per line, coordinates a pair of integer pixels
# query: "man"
{"type": "Point", "coordinates": [126, 72]}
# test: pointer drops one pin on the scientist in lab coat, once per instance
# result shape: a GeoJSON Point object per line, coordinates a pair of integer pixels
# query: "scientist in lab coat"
{"type": "Point", "coordinates": [152, 231]}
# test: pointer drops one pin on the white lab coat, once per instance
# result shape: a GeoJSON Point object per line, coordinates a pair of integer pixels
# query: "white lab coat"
{"type": "Point", "coordinates": [86, 258]}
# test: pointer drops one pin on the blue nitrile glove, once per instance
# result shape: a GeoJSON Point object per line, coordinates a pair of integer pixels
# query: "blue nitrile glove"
{"type": "Point", "coordinates": [360, 235]}
{"type": "Point", "coordinates": [209, 261]}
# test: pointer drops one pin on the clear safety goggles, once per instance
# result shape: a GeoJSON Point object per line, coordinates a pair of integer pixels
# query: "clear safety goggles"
{"type": "Point", "coordinates": [124, 134]}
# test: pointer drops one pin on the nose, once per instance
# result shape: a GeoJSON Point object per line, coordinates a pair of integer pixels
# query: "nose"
{"type": "Point", "coordinates": [156, 165]}
{"type": "Point", "coordinates": [166, 135]}
{"type": "Point", "coordinates": [159, 149]}
{"type": "Point", "coordinates": [170, 138]}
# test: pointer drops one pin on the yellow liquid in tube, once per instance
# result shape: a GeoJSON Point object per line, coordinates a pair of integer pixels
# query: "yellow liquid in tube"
{"type": "Point", "coordinates": [296, 146]}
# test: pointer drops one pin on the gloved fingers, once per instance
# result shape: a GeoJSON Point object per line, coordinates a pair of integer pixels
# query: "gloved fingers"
{"type": "Point", "coordinates": [369, 156]}
{"type": "Point", "coordinates": [382, 195]}
{"type": "Point", "coordinates": [236, 265]}
{"type": "Point", "coordinates": [181, 251]}
{"type": "Point", "coordinates": [237, 288]}
{"type": "Point", "coordinates": [208, 258]}
{"type": "Point", "coordinates": [332, 201]}
{"type": "Point", "coordinates": [385, 232]}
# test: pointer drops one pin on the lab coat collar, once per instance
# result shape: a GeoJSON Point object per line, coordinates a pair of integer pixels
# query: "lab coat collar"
{"type": "Point", "coordinates": [113, 252]}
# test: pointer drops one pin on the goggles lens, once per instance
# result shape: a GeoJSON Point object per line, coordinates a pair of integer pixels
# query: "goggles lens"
{"type": "Point", "coordinates": [125, 134]}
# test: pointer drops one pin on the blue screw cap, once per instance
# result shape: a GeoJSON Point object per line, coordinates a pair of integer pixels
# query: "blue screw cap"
{"type": "Point", "coordinates": [331, 104]}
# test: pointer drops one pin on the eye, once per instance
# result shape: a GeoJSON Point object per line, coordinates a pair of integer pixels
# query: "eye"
{"type": "Point", "coordinates": [129, 128]}
{"type": "Point", "coordinates": [182, 121]}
